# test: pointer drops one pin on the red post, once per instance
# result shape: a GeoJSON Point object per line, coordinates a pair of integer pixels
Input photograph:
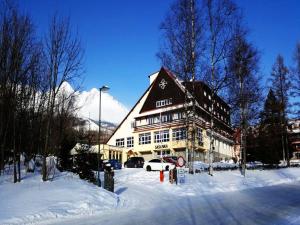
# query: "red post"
{"type": "Point", "coordinates": [161, 176]}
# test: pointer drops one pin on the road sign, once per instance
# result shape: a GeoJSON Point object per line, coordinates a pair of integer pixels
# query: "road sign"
{"type": "Point", "coordinates": [180, 161]}
{"type": "Point", "coordinates": [181, 176]}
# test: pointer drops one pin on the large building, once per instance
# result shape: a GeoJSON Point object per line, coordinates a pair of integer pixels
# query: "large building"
{"type": "Point", "coordinates": [157, 123]}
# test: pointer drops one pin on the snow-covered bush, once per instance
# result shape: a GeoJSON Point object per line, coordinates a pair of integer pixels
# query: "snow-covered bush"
{"type": "Point", "coordinates": [82, 165]}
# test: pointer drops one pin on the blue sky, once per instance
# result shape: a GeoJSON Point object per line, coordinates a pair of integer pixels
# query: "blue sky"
{"type": "Point", "coordinates": [121, 38]}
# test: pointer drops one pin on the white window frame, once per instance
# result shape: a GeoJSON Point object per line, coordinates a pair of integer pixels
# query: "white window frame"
{"type": "Point", "coordinates": [130, 142]}
{"type": "Point", "coordinates": [120, 142]}
{"type": "Point", "coordinates": [179, 134]}
{"type": "Point", "coordinates": [161, 136]}
{"type": "Point", "coordinates": [200, 135]}
{"type": "Point", "coordinates": [166, 118]}
{"type": "Point", "coordinates": [164, 102]}
{"type": "Point", "coordinates": [145, 138]}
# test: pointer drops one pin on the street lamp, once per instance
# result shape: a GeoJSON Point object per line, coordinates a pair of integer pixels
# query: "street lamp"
{"type": "Point", "coordinates": [104, 88]}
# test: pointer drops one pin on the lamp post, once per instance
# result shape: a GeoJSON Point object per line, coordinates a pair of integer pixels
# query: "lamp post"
{"type": "Point", "coordinates": [104, 88]}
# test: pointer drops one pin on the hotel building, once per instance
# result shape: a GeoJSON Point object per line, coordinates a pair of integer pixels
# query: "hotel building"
{"type": "Point", "coordinates": [157, 123]}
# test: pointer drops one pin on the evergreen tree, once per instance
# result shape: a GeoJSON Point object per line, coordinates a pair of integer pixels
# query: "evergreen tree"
{"type": "Point", "coordinates": [83, 166]}
{"type": "Point", "coordinates": [270, 151]}
{"type": "Point", "coordinates": [280, 77]}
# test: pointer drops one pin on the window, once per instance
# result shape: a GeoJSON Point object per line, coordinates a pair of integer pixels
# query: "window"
{"type": "Point", "coordinates": [204, 93]}
{"type": "Point", "coordinates": [209, 97]}
{"type": "Point", "coordinates": [163, 153]}
{"type": "Point", "coordinates": [161, 136]}
{"type": "Point", "coordinates": [166, 118]}
{"type": "Point", "coordinates": [163, 102]}
{"type": "Point", "coordinates": [200, 136]}
{"type": "Point", "coordinates": [150, 120]}
{"type": "Point", "coordinates": [130, 142]}
{"type": "Point", "coordinates": [205, 106]}
{"type": "Point", "coordinates": [179, 134]}
{"type": "Point", "coordinates": [120, 142]}
{"type": "Point", "coordinates": [144, 138]}
{"type": "Point", "coordinates": [133, 124]}
{"type": "Point", "coordinates": [177, 116]}
{"type": "Point", "coordinates": [155, 161]}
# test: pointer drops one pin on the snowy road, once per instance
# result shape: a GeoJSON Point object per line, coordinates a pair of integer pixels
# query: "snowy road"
{"type": "Point", "coordinates": [279, 204]}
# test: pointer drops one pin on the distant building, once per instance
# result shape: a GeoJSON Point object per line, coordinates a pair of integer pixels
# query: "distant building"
{"type": "Point", "coordinates": [294, 137]}
{"type": "Point", "coordinates": [157, 125]}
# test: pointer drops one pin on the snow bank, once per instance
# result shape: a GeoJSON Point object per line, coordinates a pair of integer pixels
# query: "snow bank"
{"type": "Point", "coordinates": [201, 166]}
{"type": "Point", "coordinates": [66, 196]}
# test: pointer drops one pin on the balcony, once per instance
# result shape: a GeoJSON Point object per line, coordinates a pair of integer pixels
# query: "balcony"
{"type": "Point", "coordinates": [156, 126]}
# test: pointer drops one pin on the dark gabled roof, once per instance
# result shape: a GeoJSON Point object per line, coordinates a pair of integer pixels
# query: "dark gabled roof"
{"type": "Point", "coordinates": [199, 88]}
{"type": "Point", "coordinates": [129, 112]}
{"type": "Point", "coordinates": [172, 90]}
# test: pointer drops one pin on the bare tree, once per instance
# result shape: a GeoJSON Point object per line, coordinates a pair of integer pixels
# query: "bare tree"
{"type": "Point", "coordinates": [64, 55]}
{"type": "Point", "coordinates": [181, 45]}
{"type": "Point", "coordinates": [295, 91]}
{"type": "Point", "coordinates": [181, 53]}
{"type": "Point", "coordinates": [244, 87]}
{"type": "Point", "coordinates": [197, 41]}
{"type": "Point", "coordinates": [17, 65]}
{"type": "Point", "coordinates": [222, 19]}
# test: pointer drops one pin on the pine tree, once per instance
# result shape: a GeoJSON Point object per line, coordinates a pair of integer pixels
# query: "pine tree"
{"type": "Point", "coordinates": [280, 77]}
{"type": "Point", "coordinates": [270, 151]}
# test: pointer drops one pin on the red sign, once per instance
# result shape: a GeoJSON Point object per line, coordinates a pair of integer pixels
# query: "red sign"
{"type": "Point", "coordinates": [180, 161]}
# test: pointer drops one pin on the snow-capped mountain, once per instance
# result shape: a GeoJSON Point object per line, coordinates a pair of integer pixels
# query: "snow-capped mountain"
{"type": "Point", "coordinates": [92, 125]}
{"type": "Point", "coordinates": [112, 111]}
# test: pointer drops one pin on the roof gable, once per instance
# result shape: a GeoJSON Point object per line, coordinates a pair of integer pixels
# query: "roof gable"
{"type": "Point", "coordinates": [164, 87]}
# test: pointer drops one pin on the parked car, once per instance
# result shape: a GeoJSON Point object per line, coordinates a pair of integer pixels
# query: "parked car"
{"type": "Point", "coordinates": [157, 164]}
{"type": "Point", "coordinates": [134, 162]}
{"type": "Point", "coordinates": [115, 164]}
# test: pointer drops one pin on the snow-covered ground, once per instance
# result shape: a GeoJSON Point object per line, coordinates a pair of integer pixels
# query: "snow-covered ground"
{"type": "Point", "coordinates": [66, 196]}
{"type": "Point", "coordinates": [69, 200]}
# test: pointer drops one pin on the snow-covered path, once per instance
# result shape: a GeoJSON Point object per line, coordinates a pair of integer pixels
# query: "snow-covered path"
{"type": "Point", "coordinates": [278, 204]}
